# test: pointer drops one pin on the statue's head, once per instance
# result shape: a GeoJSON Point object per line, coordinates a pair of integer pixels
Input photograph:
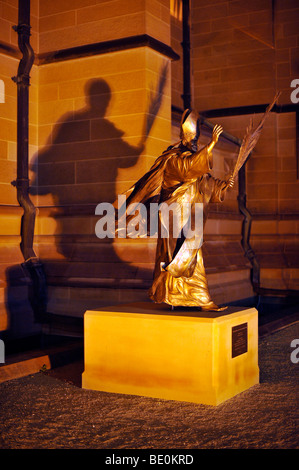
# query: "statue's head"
{"type": "Point", "coordinates": [190, 129]}
{"type": "Point", "coordinates": [98, 95]}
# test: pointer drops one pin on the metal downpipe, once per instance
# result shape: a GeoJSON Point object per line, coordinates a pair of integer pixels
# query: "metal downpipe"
{"type": "Point", "coordinates": [32, 264]}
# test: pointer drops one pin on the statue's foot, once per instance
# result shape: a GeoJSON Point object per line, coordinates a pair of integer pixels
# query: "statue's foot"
{"type": "Point", "coordinates": [211, 307]}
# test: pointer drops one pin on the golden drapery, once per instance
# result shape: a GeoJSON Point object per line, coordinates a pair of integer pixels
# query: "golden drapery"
{"type": "Point", "coordinates": [180, 280]}
{"type": "Point", "coordinates": [179, 176]}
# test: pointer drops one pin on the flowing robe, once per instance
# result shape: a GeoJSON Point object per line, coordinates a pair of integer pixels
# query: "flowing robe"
{"type": "Point", "coordinates": [179, 176]}
{"type": "Point", "coordinates": [179, 277]}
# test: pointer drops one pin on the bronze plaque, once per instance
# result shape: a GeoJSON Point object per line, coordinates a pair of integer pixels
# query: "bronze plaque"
{"type": "Point", "coordinates": [239, 339]}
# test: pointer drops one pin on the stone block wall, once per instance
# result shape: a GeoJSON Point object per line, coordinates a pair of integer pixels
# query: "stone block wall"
{"type": "Point", "coordinates": [88, 143]}
{"type": "Point", "coordinates": [98, 66]}
{"type": "Point", "coordinates": [242, 54]}
{"type": "Point", "coordinates": [92, 148]}
{"type": "Point", "coordinates": [15, 312]}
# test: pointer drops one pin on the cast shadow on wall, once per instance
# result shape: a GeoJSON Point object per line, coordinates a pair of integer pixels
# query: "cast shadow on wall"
{"type": "Point", "coordinates": [78, 169]}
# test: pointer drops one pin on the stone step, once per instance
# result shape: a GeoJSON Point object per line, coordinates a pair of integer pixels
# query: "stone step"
{"type": "Point", "coordinates": [31, 362]}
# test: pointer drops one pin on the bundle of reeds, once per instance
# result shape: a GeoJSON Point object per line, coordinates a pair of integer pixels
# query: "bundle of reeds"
{"type": "Point", "coordinates": [251, 137]}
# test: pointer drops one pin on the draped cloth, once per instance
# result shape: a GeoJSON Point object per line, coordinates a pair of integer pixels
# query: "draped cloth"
{"type": "Point", "coordinates": [182, 177]}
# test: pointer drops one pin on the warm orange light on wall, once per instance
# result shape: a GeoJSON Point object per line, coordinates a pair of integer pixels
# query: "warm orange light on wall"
{"type": "Point", "coordinates": [176, 9]}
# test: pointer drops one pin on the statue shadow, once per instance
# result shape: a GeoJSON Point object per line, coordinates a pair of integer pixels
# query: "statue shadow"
{"type": "Point", "coordinates": [75, 171]}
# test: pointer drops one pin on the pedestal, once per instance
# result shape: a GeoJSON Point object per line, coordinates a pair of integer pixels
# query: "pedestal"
{"type": "Point", "coordinates": [146, 349]}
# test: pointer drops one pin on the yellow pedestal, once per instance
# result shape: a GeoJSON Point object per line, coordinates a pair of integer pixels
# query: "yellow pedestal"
{"type": "Point", "coordinates": [147, 349]}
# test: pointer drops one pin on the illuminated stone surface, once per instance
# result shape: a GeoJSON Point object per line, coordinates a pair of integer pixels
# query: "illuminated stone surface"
{"type": "Point", "coordinates": [147, 349]}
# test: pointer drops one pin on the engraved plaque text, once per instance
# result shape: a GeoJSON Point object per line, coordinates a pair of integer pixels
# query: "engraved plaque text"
{"type": "Point", "coordinates": [239, 339]}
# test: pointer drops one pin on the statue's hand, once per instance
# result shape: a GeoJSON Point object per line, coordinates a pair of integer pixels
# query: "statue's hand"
{"type": "Point", "coordinates": [230, 182]}
{"type": "Point", "coordinates": [216, 133]}
{"type": "Point", "coordinates": [215, 136]}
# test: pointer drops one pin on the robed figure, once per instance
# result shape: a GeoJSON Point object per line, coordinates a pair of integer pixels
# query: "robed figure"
{"type": "Point", "coordinates": [179, 276]}
{"type": "Point", "coordinates": [179, 177]}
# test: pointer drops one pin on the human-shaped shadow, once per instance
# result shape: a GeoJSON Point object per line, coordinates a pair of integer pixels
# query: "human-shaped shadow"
{"type": "Point", "coordinates": [79, 164]}
{"type": "Point", "coordinates": [78, 167]}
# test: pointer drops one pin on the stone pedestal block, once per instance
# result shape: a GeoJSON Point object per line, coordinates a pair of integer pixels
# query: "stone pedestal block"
{"type": "Point", "coordinates": [186, 355]}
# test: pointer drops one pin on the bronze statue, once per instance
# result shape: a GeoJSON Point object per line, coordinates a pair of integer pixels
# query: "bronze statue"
{"type": "Point", "coordinates": [181, 175]}
{"type": "Point", "coordinates": [179, 277]}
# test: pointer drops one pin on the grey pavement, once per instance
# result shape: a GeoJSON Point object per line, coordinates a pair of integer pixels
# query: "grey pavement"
{"type": "Point", "coordinates": [50, 410]}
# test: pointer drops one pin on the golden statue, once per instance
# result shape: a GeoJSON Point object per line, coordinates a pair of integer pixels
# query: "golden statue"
{"type": "Point", "coordinates": [179, 277]}
{"type": "Point", "coordinates": [181, 176]}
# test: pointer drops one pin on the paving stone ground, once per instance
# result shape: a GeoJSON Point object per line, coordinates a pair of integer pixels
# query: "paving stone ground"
{"type": "Point", "coordinates": [51, 411]}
